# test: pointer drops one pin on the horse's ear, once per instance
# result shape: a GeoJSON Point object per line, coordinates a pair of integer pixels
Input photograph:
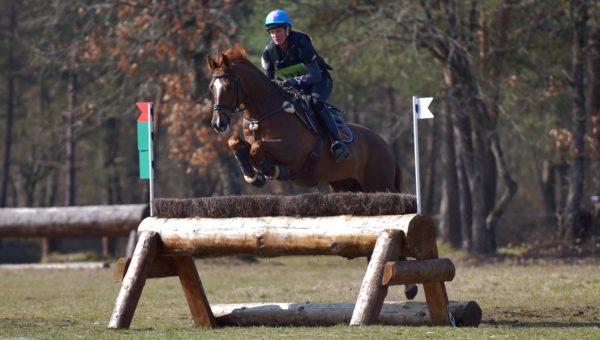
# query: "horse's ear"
{"type": "Point", "coordinates": [212, 64]}
{"type": "Point", "coordinates": [225, 61]}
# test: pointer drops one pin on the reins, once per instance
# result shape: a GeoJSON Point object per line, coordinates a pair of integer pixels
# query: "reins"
{"type": "Point", "coordinates": [253, 124]}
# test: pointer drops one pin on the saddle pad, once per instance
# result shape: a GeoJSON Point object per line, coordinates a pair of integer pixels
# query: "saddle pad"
{"type": "Point", "coordinates": [345, 131]}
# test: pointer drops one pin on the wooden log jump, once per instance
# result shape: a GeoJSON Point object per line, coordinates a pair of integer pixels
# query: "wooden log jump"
{"type": "Point", "coordinates": [166, 246]}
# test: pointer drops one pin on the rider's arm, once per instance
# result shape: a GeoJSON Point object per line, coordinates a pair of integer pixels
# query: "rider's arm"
{"type": "Point", "coordinates": [308, 55]}
{"type": "Point", "coordinates": [313, 76]}
{"type": "Point", "coordinates": [267, 64]}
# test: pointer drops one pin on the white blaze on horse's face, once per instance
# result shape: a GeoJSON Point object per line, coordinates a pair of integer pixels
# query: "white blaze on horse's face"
{"type": "Point", "coordinates": [218, 87]}
{"type": "Point", "coordinates": [220, 124]}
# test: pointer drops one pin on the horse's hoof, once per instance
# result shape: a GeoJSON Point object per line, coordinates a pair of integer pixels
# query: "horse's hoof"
{"type": "Point", "coordinates": [410, 291]}
{"type": "Point", "coordinates": [260, 181]}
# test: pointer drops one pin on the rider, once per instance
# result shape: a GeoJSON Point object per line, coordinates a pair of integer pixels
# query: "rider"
{"type": "Point", "coordinates": [291, 55]}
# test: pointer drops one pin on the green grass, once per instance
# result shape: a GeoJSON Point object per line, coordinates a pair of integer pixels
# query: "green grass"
{"type": "Point", "coordinates": [532, 300]}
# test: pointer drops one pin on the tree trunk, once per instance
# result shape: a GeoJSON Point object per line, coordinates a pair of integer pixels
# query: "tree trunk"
{"type": "Point", "coordinates": [10, 97]}
{"type": "Point", "coordinates": [450, 222]}
{"type": "Point", "coordinates": [466, 211]}
{"type": "Point", "coordinates": [228, 176]}
{"type": "Point", "coordinates": [594, 103]}
{"type": "Point", "coordinates": [431, 174]}
{"type": "Point", "coordinates": [70, 198]}
{"type": "Point", "coordinates": [548, 184]}
{"type": "Point", "coordinates": [570, 231]}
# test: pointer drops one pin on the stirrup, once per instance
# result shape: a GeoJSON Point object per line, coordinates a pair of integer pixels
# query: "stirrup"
{"type": "Point", "coordinates": [339, 151]}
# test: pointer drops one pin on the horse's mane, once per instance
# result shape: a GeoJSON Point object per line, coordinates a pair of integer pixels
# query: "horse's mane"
{"type": "Point", "coordinates": [238, 54]}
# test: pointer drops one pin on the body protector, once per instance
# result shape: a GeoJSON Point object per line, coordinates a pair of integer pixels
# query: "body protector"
{"type": "Point", "coordinates": [300, 60]}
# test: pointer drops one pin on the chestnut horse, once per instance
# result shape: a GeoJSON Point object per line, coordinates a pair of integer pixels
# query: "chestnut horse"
{"type": "Point", "coordinates": [281, 146]}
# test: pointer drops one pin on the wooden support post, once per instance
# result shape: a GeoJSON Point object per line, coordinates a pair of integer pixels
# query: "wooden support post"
{"type": "Point", "coordinates": [437, 301]}
{"type": "Point", "coordinates": [194, 292]}
{"type": "Point", "coordinates": [134, 280]}
{"type": "Point", "coordinates": [372, 292]}
{"type": "Point", "coordinates": [425, 271]}
{"type": "Point", "coordinates": [435, 292]}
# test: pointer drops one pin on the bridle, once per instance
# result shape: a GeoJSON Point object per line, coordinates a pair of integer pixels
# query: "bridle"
{"type": "Point", "coordinates": [237, 95]}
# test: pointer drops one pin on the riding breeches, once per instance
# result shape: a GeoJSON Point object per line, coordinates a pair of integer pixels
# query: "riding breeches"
{"type": "Point", "coordinates": [320, 92]}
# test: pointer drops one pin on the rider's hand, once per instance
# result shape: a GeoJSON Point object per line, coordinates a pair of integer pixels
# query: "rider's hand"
{"type": "Point", "coordinates": [290, 82]}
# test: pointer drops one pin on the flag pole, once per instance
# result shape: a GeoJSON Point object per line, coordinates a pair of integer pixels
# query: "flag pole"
{"type": "Point", "coordinates": [151, 158]}
{"type": "Point", "coordinates": [416, 144]}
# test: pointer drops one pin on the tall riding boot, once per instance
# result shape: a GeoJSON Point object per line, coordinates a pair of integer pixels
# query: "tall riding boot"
{"type": "Point", "coordinates": [339, 150]}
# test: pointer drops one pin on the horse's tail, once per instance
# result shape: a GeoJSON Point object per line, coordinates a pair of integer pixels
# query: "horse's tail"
{"type": "Point", "coordinates": [398, 179]}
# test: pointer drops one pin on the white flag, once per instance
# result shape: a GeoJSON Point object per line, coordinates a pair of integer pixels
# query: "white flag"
{"type": "Point", "coordinates": [422, 108]}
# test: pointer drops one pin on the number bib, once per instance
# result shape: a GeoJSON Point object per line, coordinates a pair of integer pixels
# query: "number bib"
{"type": "Point", "coordinates": [292, 71]}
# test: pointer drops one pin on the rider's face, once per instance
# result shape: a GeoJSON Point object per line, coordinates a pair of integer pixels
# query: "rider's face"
{"type": "Point", "coordinates": [278, 35]}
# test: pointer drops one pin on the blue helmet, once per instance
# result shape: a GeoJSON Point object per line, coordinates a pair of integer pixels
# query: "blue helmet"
{"type": "Point", "coordinates": [277, 18]}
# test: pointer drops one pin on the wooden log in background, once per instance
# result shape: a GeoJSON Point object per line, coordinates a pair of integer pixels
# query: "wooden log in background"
{"type": "Point", "coordinates": [413, 313]}
{"type": "Point", "coordinates": [78, 221]}
{"type": "Point", "coordinates": [347, 236]}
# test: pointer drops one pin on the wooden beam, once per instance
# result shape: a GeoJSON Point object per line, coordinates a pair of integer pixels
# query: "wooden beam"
{"type": "Point", "coordinates": [409, 313]}
{"type": "Point", "coordinates": [347, 236]}
{"type": "Point", "coordinates": [78, 221]}
{"type": "Point", "coordinates": [425, 271]}
{"type": "Point", "coordinates": [162, 266]}
{"type": "Point", "coordinates": [134, 280]}
{"type": "Point", "coordinates": [194, 292]}
{"type": "Point", "coordinates": [372, 293]}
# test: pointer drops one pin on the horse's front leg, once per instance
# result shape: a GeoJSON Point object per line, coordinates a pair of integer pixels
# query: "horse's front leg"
{"type": "Point", "coordinates": [262, 163]}
{"type": "Point", "coordinates": [241, 151]}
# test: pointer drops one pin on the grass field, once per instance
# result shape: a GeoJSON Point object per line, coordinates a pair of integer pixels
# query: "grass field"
{"type": "Point", "coordinates": [535, 299]}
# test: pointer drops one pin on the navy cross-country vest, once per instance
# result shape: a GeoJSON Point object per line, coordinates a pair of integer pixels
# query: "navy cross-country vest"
{"type": "Point", "coordinates": [298, 52]}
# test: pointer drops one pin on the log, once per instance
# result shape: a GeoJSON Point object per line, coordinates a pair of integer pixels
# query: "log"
{"type": "Point", "coordinates": [410, 313]}
{"type": "Point", "coordinates": [424, 271]}
{"type": "Point", "coordinates": [372, 293]}
{"type": "Point", "coordinates": [55, 266]}
{"type": "Point", "coordinates": [347, 236]}
{"type": "Point", "coordinates": [135, 278]}
{"type": "Point", "coordinates": [81, 221]}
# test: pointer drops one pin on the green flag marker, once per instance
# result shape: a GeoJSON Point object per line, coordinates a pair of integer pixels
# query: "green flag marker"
{"type": "Point", "coordinates": [145, 136]}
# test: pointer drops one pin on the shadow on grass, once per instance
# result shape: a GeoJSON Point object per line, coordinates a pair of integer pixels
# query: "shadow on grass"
{"type": "Point", "coordinates": [541, 324]}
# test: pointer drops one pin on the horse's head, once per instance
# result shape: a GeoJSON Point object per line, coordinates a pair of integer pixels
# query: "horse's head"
{"type": "Point", "coordinates": [226, 89]}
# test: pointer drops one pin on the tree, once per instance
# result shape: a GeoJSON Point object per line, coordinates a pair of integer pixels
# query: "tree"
{"type": "Point", "coordinates": [579, 14]}
{"type": "Point", "coordinates": [10, 98]}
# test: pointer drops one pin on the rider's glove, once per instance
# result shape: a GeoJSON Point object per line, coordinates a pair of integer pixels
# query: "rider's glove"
{"type": "Point", "coordinates": [290, 82]}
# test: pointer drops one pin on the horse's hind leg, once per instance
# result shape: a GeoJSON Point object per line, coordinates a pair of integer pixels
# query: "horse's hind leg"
{"type": "Point", "coordinates": [241, 150]}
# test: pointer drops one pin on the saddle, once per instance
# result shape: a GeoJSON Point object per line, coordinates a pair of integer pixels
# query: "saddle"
{"type": "Point", "coordinates": [304, 112]}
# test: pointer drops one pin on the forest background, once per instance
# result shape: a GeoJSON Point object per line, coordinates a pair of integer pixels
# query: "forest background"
{"type": "Point", "coordinates": [512, 157]}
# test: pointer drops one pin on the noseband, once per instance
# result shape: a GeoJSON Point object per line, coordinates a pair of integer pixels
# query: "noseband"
{"type": "Point", "coordinates": [237, 90]}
